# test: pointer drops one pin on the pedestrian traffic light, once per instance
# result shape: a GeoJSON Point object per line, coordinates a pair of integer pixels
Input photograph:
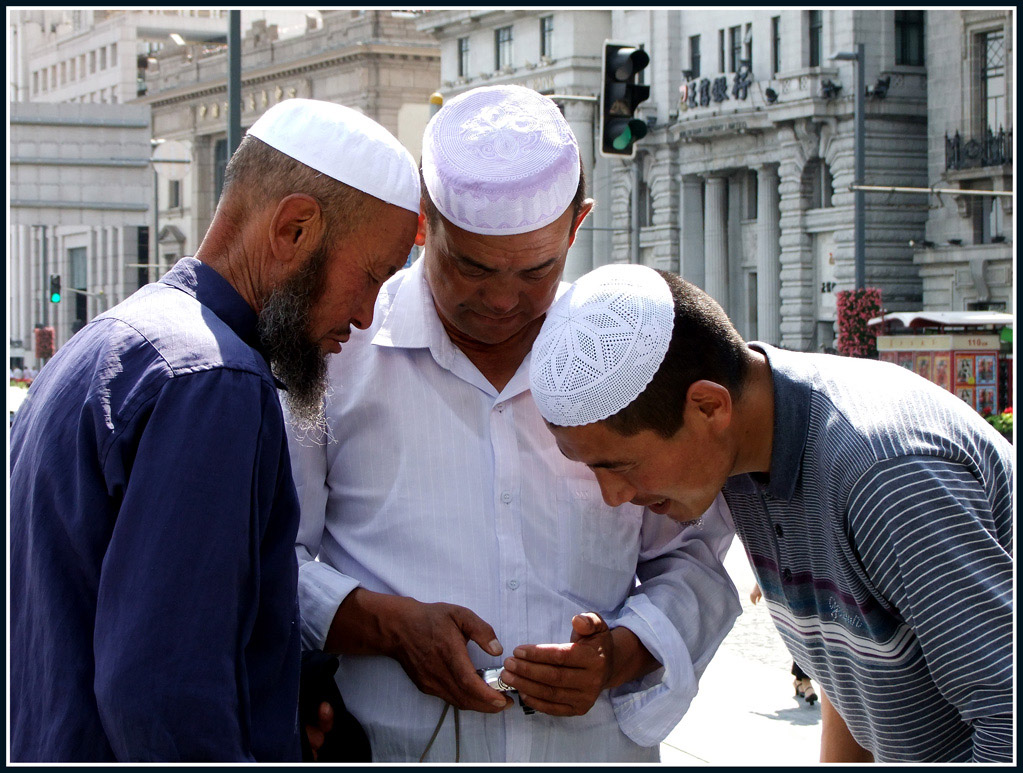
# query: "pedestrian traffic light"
{"type": "Point", "coordinates": [54, 288]}
{"type": "Point", "coordinates": [619, 97]}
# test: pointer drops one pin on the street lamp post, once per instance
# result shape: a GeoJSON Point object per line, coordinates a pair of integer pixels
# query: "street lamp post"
{"type": "Point", "coordinates": [859, 151]}
{"type": "Point", "coordinates": [234, 82]}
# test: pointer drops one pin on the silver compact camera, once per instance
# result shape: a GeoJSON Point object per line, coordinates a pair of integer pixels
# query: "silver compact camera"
{"type": "Point", "coordinates": [492, 676]}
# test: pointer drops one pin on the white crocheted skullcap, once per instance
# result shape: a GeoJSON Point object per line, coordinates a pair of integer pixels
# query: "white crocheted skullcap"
{"type": "Point", "coordinates": [500, 160]}
{"type": "Point", "coordinates": [344, 144]}
{"type": "Point", "coordinates": [601, 344]}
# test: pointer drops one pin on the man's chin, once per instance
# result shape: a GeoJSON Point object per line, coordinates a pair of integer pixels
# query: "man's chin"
{"type": "Point", "coordinates": [675, 510]}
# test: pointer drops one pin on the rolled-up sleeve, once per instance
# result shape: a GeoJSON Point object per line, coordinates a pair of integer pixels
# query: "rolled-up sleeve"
{"type": "Point", "coordinates": [682, 610]}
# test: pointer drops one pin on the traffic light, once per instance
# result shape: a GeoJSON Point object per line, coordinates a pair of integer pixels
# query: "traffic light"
{"type": "Point", "coordinates": [619, 97]}
{"type": "Point", "coordinates": [54, 288]}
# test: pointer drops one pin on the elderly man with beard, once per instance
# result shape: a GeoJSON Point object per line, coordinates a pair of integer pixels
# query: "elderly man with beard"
{"type": "Point", "coordinates": [153, 604]}
{"type": "Point", "coordinates": [451, 534]}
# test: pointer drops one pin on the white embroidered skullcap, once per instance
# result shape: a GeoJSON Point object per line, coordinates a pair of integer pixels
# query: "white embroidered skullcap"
{"type": "Point", "coordinates": [601, 344]}
{"type": "Point", "coordinates": [344, 144]}
{"type": "Point", "coordinates": [500, 160]}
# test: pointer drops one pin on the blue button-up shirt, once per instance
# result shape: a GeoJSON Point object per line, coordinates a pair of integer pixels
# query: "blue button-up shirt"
{"type": "Point", "coordinates": [153, 602]}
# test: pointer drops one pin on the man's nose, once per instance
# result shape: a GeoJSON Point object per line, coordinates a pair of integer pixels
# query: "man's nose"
{"type": "Point", "coordinates": [500, 298]}
{"type": "Point", "coordinates": [364, 314]}
{"type": "Point", "coordinates": [614, 488]}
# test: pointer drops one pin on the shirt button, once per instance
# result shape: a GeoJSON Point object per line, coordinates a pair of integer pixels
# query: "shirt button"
{"type": "Point", "coordinates": [786, 574]}
{"type": "Point", "coordinates": [779, 530]}
{"type": "Point", "coordinates": [513, 584]}
{"type": "Point", "coordinates": [499, 407]}
{"type": "Point", "coordinates": [506, 497]}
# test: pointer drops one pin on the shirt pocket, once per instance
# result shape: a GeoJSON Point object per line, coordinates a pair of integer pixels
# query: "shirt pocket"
{"type": "Point", "coordinates": [598, 546]}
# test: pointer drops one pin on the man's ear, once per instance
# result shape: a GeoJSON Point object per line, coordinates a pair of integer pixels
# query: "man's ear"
{"type": "Point", "coordinates": [584, 210]}
{"type": "Point", "coordinates": [421, 228]}
{"type": "Point", "coordinates": [296, 227]}
{"type": "Point", "coordinates": [710, 403]}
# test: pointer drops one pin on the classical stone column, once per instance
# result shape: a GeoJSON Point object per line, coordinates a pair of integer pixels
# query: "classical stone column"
{"type": "Point", "coordinates": [580, 256]}
{"type": "Point", "coordinates": [715, 240]}
{"type": "Point", "coordinates": [691, 262]}
{"type": "Point", "coordinates": [768, 256]}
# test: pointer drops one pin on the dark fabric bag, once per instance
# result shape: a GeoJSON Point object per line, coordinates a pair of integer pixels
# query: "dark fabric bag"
{"type": "Point", "coordinates": [347, 741]}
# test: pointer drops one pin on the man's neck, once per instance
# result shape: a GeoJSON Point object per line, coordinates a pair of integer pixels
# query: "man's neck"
{"type": "Point", "coordinates": [497, 362]}
{"type": "Point", "coordinates": [754, 418]}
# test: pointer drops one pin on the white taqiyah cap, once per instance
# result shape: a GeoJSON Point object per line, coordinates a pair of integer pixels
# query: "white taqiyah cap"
{"type": "Point", "coordinates": [601, 344]}
{"type": "Point", "coordinates": [500, 160]}
{"type": "Point", "coordinates": [344, 144]}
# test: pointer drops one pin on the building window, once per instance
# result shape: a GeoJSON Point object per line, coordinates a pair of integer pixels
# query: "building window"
{"type": "Point", "coordinates": [694, 56]}
{"type": "Point", "coordinates": [987, 215]}
{"type": "Point", "coordinates": [77, 263]}
{"type": "Point", "coordinates": [721, 50]}
{"type": "Point", "coordinates": [142, 252]}
{"type": "Point", "coordinates": [909, 38]}
{"type": "Point", "coordinates": [113, 94]}
{"type": "Point", "coordinates": [63, 73]}
{"type": "Point", "coordinates": [992, 80]}
{"type": "Point", "coordinates": [752, 193]}
{"type": "Point", "coordinates": [775, 45]}
{"type": "Point", "coordinates": [502, 47]}
{"type": "Point", "coordinates": [547, 36]}
{"type": "Point", "coordinates": [113, 55]}
{"type": "Point", "coordinates": [815, 24]}
{"type": "Point", "coordinates": [103, 58]}
{"type": "Point", "coordinates": [71, 68]}
{"type": "Point", "coordinates": [822, 185]}
{"type": "Point", "coordinates": [173, 194]}
{"type": "Point", "coordinates": [646, 205]}
{"type": "Point", "coordinates": [463, 57]}
{"type": "Point", "coordinates": [92, 62]}
{"type": "Point", "coordinates": [53, 76]}
{"type": "Point", "coordinates": [735, 49]}
{"type": "Point", "coordinates": [35, 82]}
{"type": "Point", "coordinates": [747, 45]}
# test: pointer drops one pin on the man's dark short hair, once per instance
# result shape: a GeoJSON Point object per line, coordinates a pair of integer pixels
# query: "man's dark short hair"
{"type": "Point", "coordinates": [259, 175]}
{"type": "Point", "coordinates": [704, 345]}
{"type": "Point", "coordinates": [433, 214]}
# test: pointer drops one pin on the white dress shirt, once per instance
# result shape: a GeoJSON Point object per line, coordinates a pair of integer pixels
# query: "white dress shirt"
{"type": "Point", "coordinates": [435, 485]}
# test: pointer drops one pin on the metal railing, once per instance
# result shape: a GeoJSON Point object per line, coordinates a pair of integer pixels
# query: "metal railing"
{"type": "Point", "coordinates": [988, 150]}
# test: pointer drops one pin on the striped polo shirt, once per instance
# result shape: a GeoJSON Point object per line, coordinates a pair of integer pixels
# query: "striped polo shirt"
{"type": "Point", "coordinates": [882, 542]}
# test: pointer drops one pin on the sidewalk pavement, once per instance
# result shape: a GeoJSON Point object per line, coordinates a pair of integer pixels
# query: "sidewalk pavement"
{"type": "Point", "coordinates": [745, 712]}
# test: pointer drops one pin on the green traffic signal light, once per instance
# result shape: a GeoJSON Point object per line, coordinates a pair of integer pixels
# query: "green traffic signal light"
{"type": "Point", "coordinates": [634, 130]}
{"type": "Point", "coordinates": [620, 95]}
{"type": "Point", "coordinates": [54, 288]}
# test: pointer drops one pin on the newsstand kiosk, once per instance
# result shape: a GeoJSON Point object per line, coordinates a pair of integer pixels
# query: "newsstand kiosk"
{"type": "Point", "coordinates": [968, 353]}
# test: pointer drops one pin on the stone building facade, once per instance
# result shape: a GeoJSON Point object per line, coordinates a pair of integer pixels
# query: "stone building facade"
{"type": "Point", "coordinates": [79, 183]}
{"type": "Point", "coordinates": [742, 184]}
{"type": "Point", "coordinates": [374, 61]}
{"type": "Point", "coordinates": [965, 255]}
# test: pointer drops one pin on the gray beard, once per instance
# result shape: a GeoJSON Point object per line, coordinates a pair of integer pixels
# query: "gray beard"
{"type": "Point", "coordinates": [296, 361]}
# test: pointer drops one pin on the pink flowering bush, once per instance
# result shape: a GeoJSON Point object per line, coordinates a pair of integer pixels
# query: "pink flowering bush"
{"type": "Point", "coordinates": [855, 309]}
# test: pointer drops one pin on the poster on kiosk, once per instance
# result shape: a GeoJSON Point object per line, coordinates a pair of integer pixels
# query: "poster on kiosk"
{"type": "Point", "coordinates": [969, 353]}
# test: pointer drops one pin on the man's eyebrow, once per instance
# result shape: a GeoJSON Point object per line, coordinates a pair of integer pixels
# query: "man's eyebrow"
{"type": "Point", "coordinates": [477, 265]}
{"type": "Point", "coordinates": [594, 465]}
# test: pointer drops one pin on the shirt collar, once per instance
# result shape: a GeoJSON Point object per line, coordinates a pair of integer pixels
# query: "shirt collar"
{"type": "Point", "coordinates": [792, 390]}
{"type": "Point", "coordinates": [213, 291]}
{"type": "Point", "coordinates": [410, 321]}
